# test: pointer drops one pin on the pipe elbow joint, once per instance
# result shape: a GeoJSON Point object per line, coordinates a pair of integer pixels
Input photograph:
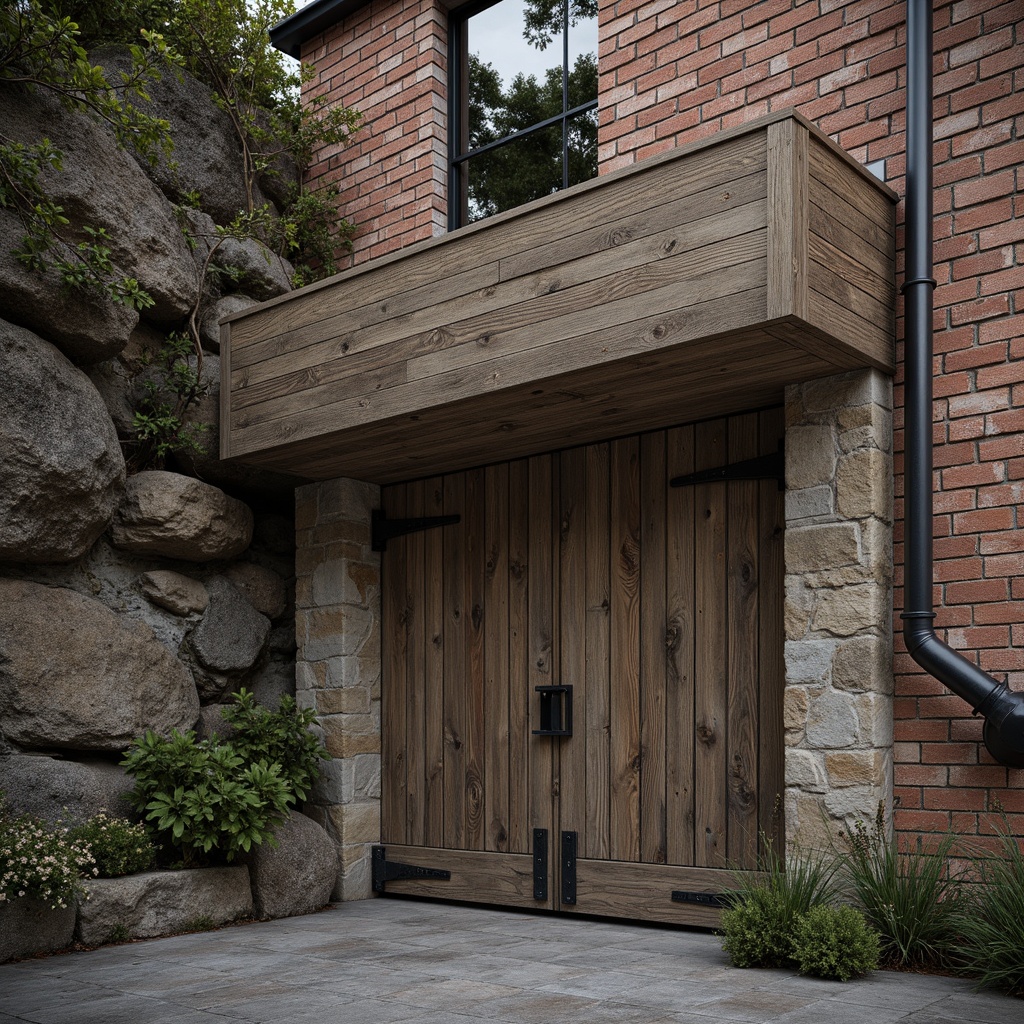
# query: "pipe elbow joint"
{"type": "Point", "coordinates": [1002, 708]}
{"type": "Point", "coordinates": [1004, 727]}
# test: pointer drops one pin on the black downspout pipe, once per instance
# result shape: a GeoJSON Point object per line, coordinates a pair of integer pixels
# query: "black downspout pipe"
{"type": "Point", "coordinates": [1002, 707]}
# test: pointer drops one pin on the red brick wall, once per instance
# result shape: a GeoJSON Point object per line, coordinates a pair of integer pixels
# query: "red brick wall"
{"type": "Point", "coordinates": [674, 72]}
{"type": "Point", "coordinates": [389, 61]}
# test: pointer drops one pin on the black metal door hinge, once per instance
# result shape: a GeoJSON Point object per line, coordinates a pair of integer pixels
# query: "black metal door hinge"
{"type": "Point", "coordinates": [569, 868]}
{"type": "Point", "coordinates": [764, 467]}
{"type": "Point", "coordinates": [383, 529]}
{"type": "Point", "coordinates": [540, 864]}
{"type": "Point", "coordinates": [385, 870]}
{"type": "Point", "coordinates": [702, 899]}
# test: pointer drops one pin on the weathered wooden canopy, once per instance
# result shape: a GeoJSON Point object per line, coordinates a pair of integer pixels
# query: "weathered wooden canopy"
{"type": "Point", "coordinates": [690, 285]}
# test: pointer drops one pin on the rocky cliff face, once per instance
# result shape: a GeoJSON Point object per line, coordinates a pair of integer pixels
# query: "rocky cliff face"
{"type": "Point", "coordinates": [127, 601]}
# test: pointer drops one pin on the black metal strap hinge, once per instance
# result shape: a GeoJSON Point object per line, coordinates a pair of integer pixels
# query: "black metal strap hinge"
{"type": "Point", "coordinates": [540, 864]}
{"type": "Point", "coordinates": [702, 899]}
{"type": "Point", "coordinates": [385, 870]}
{"type": "Point", "coordinates": [569, 868]}
{"type": "Point", "coordinates": [383, 529]}
{"type": "Point", "coordinates": [764, 467]}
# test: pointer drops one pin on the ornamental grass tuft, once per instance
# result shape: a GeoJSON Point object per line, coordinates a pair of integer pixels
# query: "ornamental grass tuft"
{"type": "Point", "coordinates": [910, 896]}
{"type": "Point", "coordinates": [993, 930]}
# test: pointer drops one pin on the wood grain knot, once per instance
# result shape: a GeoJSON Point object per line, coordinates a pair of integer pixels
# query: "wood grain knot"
{"type": "Point", "coordinates": [706, 734]}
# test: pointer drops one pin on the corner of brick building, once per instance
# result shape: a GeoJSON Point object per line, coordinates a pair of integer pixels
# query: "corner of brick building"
{"type": "Point", "coordinates": [389, 61]}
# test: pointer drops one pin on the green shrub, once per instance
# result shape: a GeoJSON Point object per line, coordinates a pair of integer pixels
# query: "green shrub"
{"type": "Point", "coordinates": [993, 930]}
{"type": "Point", "coordinates": [280, 737]}
{"type": "Point", "coordinates": [203, 798]}
{"type": "Point", "coordinates": [834, 942]}
{"type": "Point", "coordinates": [909, 896]}
{"type": "Point", "coordinates": [118, 846]}
{"type": "Point", "coordinates": [764, 908]}
{"type": "Point", "coordinates": [754, 930]}
{"type": "Point", "coordinates": [40, 861]}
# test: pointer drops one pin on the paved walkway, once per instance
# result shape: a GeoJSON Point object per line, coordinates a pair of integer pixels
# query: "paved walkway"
{"type": "Point", "coordinates": [391, 960]}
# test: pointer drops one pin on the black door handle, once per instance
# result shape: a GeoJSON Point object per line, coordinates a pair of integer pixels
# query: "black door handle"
{"type": "Point", "coordinates": [555, 711]}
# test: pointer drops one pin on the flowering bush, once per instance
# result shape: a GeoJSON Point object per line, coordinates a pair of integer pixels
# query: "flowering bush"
{"type": "Point", "coordinates": [39, 861]}
{"type": "Point", "coordinates": [118, 846]}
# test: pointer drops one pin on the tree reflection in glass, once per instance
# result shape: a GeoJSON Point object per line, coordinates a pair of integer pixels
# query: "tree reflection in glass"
{"type": "Point", "coordinates": [532, 66]}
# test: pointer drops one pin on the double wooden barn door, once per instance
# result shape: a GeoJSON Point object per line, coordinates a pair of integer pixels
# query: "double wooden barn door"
{"type": "Point", "coordinates": [661, 608]}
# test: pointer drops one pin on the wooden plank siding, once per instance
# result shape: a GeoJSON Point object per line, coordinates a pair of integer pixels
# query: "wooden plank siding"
{"type": "Point", "coordinates": [722, 271]}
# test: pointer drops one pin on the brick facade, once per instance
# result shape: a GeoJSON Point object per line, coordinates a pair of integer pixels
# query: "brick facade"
{"type": "Point", "coordinates": [674, 71]}
{"type": "Point", "coordinates": [389, 61]}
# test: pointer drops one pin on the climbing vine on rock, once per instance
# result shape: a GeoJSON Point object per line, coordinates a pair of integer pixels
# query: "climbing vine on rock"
{"type": "Point", "coordinates": [40, 50]}
{"type": "Point", "coordinates": [226, 44]}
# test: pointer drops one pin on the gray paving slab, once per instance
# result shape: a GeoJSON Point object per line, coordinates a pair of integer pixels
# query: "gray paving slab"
{"type": "Point", "coordinates": [400, 961]}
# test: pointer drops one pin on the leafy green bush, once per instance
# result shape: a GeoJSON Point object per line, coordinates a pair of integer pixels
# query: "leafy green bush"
{"type": "Point", "coordinates": [993, 930]}
{"type": "Point", "coordinates": [754, 932]}
{"type": "Point", "coordinates": [40, 861]}
{"type": "Point", "coordinates": [834, 942]}
{"type": "Point", "coordinates": [764, 908]}
{"type": "Point", "coordinates": [278, 737]}
{"type": "Point", "coordinates": [202, 798]}
{"type": "Point", "coordinates": [908, 895]}
{"type": "Point", "coordinates": [118, 846]}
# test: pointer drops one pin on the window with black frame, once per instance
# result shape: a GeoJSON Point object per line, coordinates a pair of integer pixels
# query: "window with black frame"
{"type": "Point", "coordinates": [523, 103]}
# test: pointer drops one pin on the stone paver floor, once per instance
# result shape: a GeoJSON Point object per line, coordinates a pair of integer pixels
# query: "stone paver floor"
{"type": "Point", "coordinates": [387, 961]}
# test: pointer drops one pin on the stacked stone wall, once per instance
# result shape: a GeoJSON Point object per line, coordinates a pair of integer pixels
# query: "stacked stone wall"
{"type": "Point", "coordinates": [838, 703]}
{"type": "Point", "coordinates": [337, 629]}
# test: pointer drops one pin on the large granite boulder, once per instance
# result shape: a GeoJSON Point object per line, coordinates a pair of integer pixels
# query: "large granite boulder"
{"type": "Point", "coordinates": [61, 466]}
{"type": "Point", "coordinates": [103, 186]}
{"type": "Point", "coordinates": [297, 875]}
{"type": "Point", "coordinates": [228, 639]}
{"type": "Point", "coordinates": [209, 328]}
{"type": "Point", "coordinates": [178, 517]}
{"type": "Point", "coordinates": [29, 926]}
{"type": "Point", "coordinates": [253, 268]}
{"type": "Point", "coordinates": [207, 155]}
{"type": "Point", "coordinates": [76, 676]}
{"type": "Point", "coordinates": [162, 903]}
{"type": "Point", "coordinates": [257, 271]}
{"type": "Point", "coordinates": [68, 791]}
{"type": "Point", "coordinates": [263, 588]}
{"type": "Point", "coordinates": [174, 591]}
{"type": "Point", "coordinates": [83, 323]}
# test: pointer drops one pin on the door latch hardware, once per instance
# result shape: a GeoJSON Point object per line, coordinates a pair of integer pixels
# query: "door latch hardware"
{"type": "Point", "coordinates": [569, 868]}
{"type": "Point", "coordinates": [383, 529]}
{"type": "Point", "coordinates": [703, 899]}
{"type": "Point", "coordinates": [540, 864]}
{"type": "Point", "coordinates": [555, 711]}
{"type": "Point", "coordinates": [764, 467]}
{"type": "Point", "coordinates": [385, 870]}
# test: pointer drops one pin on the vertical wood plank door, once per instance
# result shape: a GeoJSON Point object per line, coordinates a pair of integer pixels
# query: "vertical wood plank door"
{"type": "Point", "coordinates": [660, 606]}
{"type": "Point", "coordinates": [467, 632]}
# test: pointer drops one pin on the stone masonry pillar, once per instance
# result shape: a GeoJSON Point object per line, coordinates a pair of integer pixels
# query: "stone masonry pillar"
{"type": "Point", "coordinates": [839, 684]}
{"type": "Point", "coordinates": [337, 626]}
